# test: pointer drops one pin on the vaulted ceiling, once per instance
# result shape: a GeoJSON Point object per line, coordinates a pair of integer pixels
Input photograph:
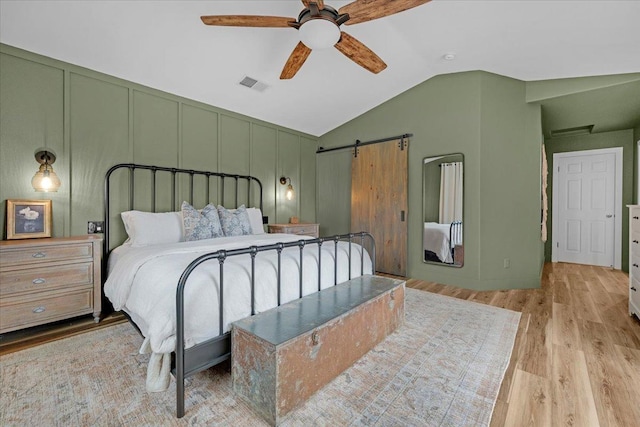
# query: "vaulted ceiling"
{"type": "Point", "coordinates": [165, 45]}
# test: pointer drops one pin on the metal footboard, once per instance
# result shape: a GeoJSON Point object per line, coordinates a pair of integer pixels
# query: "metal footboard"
{"type": "Point", "coordinates": [218, 349]}
{"type": "Point", "coordinates": [455, 237]}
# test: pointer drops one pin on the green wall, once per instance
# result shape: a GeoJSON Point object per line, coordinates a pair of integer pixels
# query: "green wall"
{"type": "Point", "coordinates": [622, 138]}
{"type": "Point", "coordinates": [484, 117]}
{"type": "Point", "coordinates": [93, 121]}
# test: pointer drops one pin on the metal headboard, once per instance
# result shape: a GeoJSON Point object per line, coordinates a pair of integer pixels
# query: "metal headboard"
{"type": "Point", "coordinates": [175, 174]}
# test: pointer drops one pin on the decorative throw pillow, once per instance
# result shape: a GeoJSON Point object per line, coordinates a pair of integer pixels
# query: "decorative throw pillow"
{"type": "Point", "coordinates": [200, 225]}
{"type": "Point", "coordinates": [234, 222]}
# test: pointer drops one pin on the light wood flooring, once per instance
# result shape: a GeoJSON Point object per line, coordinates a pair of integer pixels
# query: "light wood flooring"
{"type": "Point", "coordinates": [576, 358]}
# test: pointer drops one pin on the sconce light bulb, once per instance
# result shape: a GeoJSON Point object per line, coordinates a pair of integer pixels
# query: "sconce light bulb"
{"type": "Point", "coordinates": [289, 194]}
{"type": "Point", "coordinates": [46, 182]}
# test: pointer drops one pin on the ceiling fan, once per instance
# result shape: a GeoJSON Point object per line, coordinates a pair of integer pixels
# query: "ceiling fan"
{"type": "Point", "coordinates": [319, 27]}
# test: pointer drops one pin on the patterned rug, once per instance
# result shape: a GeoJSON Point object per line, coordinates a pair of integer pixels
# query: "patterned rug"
{"type": "Point", "coordinates": [442, 368]}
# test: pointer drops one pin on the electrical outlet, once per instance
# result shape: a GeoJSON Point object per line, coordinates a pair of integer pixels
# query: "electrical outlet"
{"type": "Point", "coordinates": [94, 227]}
{"type": "Point", "coordinates": [507, 263]}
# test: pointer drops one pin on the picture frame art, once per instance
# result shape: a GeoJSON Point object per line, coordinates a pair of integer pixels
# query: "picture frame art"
{"type": "Point", "coordinates": [28, 219]}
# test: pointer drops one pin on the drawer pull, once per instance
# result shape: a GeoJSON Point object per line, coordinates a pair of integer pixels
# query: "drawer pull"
{"type": "Point", "coordinates": [635, 265]}
{"type": "Point", "coordinates": [633, 288]}
{"type": "Point", "coordinates": [39, 309]}
{"type": "Point", "coordinates": [635, 241]}
{"type": "Point", "coordinates": [39, 255]}
{"type": "Point", "coordinates": [38, 281]}
{"type": "Point", "coordinates": [636, 217]}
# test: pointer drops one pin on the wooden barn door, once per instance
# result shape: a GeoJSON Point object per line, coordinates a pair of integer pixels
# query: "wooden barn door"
{"type": "Point", "coordinates": [379, 201]}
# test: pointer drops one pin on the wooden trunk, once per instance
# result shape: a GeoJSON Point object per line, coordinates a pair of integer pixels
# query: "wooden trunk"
{"type": "Point", "coordinates": [283, 356]}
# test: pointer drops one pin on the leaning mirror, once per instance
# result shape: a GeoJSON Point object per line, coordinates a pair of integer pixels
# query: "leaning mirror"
{"type": "Point", "coordinates": [442, 210]}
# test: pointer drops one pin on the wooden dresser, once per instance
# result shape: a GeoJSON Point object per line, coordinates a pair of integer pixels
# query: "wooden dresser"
{"type": "Point", "coordinates": [45, 280]}
{"type": "Point", "coordinates": [303, 229]}
{"type": "Point", "coordinates": [634, 260]}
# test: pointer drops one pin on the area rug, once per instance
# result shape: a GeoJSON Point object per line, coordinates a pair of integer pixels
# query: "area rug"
{"type": "Point", "coordinates": [442, 368]}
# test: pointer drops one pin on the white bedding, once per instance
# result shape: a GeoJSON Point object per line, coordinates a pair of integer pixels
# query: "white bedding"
{"type": "Point", "coordinates": [143, 281]}
{"type": "Point", "coordinates": [436, 240]}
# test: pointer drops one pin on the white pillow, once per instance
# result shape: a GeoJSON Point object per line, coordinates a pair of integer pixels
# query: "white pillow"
{"type": "Point", "coordinates": [255, 219]}
{"type": "Point", "coordinates": [148, 228]}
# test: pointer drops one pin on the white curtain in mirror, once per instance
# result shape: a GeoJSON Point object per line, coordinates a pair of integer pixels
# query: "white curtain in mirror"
{"type": "Point", "coordinates": [450, 192]}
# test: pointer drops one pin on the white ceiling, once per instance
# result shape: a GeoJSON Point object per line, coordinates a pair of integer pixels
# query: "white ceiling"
{"type": "Point", "coordinates": [164, 45]}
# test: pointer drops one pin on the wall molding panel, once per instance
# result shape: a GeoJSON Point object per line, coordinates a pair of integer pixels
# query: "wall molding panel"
{"type": "Point", "coordinates": [93, 121]}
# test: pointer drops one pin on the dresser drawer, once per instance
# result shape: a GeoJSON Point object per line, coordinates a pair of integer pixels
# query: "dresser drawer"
{"type": "Point", "coordinates": [306, 230]}
{"type": "Point", "coordinates": [634, 268]}
{"type": "Point", "coordinates": [45, 278]}
{"type": "Point", "coordinates": [300, 229]}
{"type": "Point", "coordinates": [35, 254]}
{"type": "Point", "coordinates": [634, 240]}
{"type": "Point", "coordinates": [634, 220]}
{"type": "Point", "coordinates": [18, 313]}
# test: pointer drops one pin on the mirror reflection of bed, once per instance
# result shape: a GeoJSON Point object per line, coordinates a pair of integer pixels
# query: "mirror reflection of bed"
{"type": "Point", "coordinates": [443, 178]}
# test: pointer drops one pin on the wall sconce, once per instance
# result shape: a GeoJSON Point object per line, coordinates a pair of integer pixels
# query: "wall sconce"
{"type": "Point", "coordinates": [45, 178]}
{"type": "Point", "coordinates": [289, 193]}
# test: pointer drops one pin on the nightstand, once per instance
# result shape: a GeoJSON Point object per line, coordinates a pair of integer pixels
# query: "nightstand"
{"type": "Point", "coordinates": [303, 229]}
{"type": "Point", "coordinates": [45, 280]}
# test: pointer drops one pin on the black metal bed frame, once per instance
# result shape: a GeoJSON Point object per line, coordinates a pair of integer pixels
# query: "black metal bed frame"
{"type": "Point", "coordinates": [189, 361]}
{"type": "Point", "coordinates": [455, 235]}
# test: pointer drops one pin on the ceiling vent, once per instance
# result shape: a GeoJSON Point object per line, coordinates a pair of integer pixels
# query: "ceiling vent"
{"type": "Point", "coordinates": [252, 83]}
{"type": "Point", "coordinates": [580, 130]}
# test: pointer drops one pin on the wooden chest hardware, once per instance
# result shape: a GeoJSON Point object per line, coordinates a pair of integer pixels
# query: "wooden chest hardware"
{"type": "Point", "coordinates": [46, 280]}
{"type": "Point", "coordinates": [302, 229]}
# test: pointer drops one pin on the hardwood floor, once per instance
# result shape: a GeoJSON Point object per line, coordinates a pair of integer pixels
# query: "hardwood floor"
{"type": "Point", "coordinates": [19, 340]}
{"type": "Point", "coordinates": [575, 361]}
{"type": "Point", "coordinates": [576, 358]}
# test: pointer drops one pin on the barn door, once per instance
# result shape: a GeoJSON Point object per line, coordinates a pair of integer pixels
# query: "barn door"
{"type": "Point", "coordinates": [379, 201]}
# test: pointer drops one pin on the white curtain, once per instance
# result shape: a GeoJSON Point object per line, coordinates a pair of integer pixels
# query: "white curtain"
{"type": "Point", "coordinates": [450, 192]}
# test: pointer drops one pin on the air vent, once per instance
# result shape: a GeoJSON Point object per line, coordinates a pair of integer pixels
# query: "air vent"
{"type": "Point", "coordinates": [580, 130]}
{"type": "Point", "coordinates": [254, 84]}
{"type": "Point", "coordinates": [248, 82]}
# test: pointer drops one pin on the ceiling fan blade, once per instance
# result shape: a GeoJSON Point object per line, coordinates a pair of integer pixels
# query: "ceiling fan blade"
{"type": "Point", "coordinates": [320, 3]}
{"type": "Point", "coordinates": [359, 53]}
{"type": "Point", "coordinates": [247, 21]}
{"type": "Point", "coordinates": [367, 10]}
{"type": "Point", "coordinates": [295, 61]}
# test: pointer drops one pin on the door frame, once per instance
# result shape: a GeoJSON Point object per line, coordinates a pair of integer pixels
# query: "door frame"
{"type": "Point", "coordinates": [617, 197]}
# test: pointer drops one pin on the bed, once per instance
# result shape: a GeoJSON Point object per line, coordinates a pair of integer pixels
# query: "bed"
{"type": "Point", "coordinates": [440, 241]}
{"type": "Point", "coordinates": [183, 295]}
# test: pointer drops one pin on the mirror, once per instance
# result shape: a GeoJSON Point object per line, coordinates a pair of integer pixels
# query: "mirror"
{"type": "Point", "coordinates": [442, 210]}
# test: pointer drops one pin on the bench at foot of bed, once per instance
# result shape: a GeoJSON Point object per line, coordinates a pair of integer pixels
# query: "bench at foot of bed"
{"type": "Point", "coordinates": [283, 356]}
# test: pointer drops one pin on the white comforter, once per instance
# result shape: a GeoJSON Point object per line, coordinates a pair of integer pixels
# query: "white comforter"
{"type": "Point", "coordinates": [143, 282]}
{"type": "Point", "coordinates": [436, 240]}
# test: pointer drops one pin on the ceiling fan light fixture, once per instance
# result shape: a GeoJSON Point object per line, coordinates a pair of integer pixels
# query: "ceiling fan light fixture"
{"type": "Point", "coordinates": [319, 33]}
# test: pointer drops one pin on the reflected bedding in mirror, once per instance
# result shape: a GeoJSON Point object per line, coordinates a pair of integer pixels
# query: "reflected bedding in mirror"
{"type": "Point", "coordinates": [443, 210]}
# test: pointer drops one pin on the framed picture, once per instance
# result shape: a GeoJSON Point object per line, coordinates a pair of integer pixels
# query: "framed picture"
{"type": "Point", "coordinates": [28, 219]}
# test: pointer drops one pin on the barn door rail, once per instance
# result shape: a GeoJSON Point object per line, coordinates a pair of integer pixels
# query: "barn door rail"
{"type": "Point", "coordinates": [359, 143]}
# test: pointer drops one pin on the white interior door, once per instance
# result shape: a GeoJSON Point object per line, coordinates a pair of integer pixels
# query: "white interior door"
{"type": "Point", "coordinates": [586, 185]}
